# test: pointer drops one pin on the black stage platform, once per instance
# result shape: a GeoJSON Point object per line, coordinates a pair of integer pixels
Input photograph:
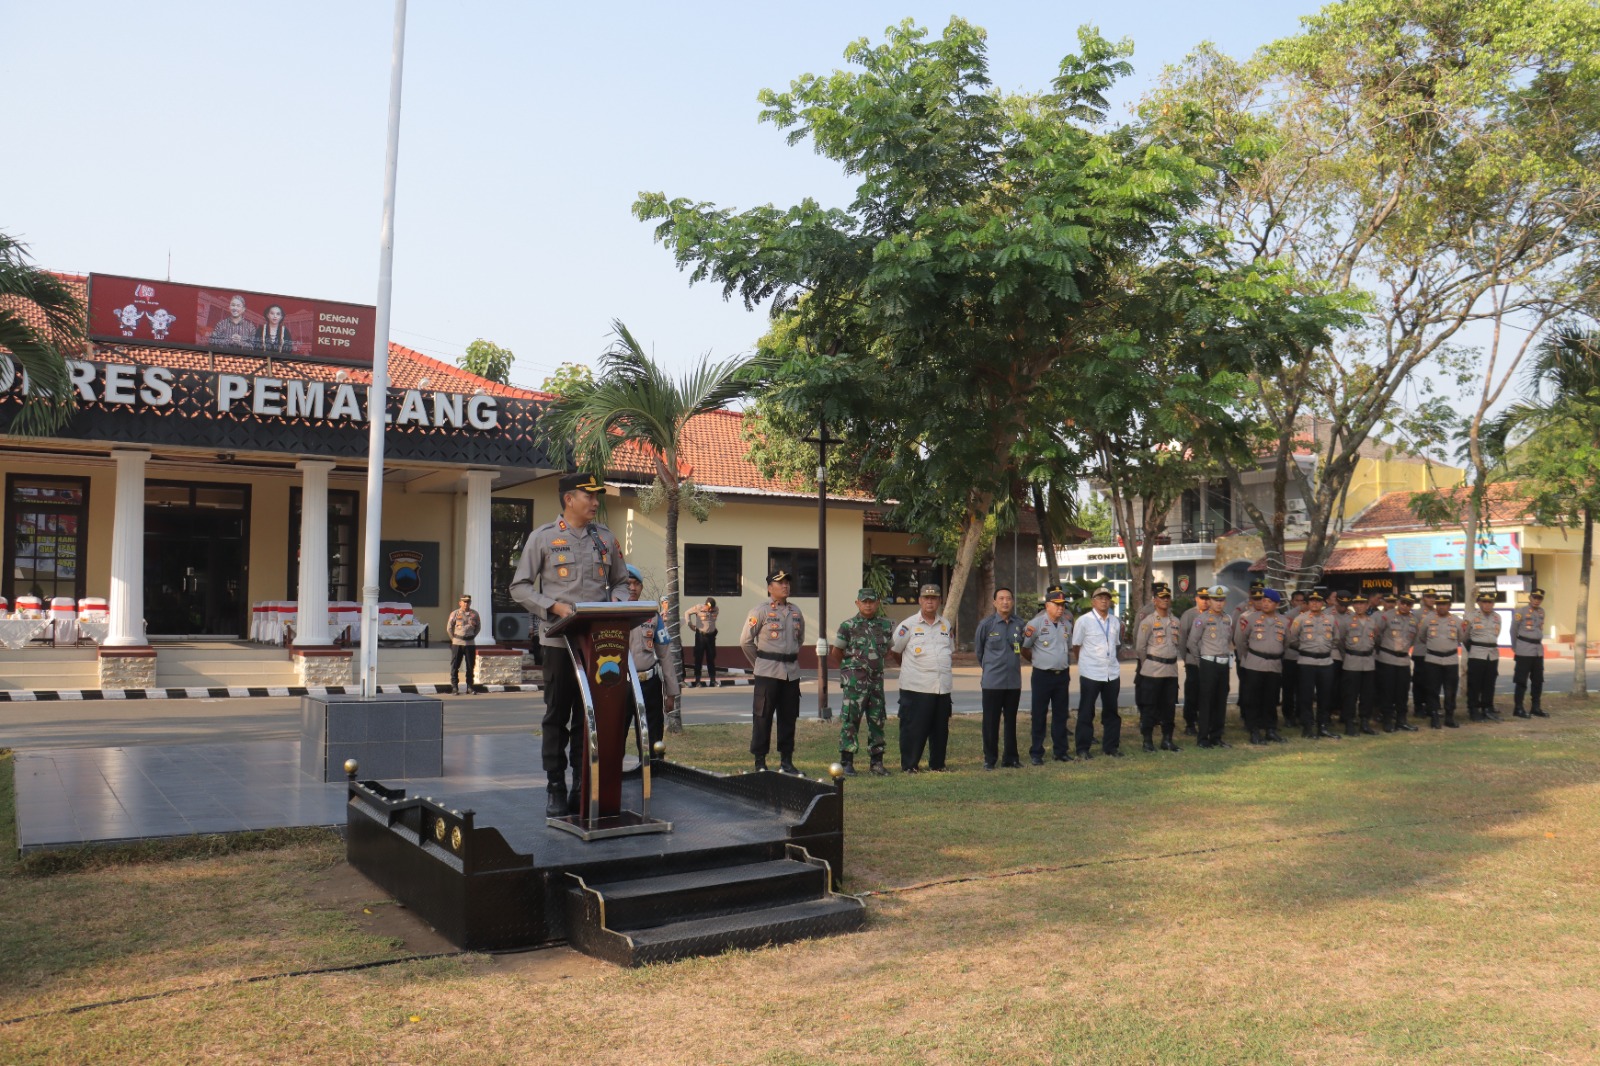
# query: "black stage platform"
{"type": "Point", "coordinates": [752, 858]}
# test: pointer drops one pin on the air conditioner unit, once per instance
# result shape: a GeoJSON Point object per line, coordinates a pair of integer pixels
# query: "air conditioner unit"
{"type": "Point", "coordinates": [511, 625]}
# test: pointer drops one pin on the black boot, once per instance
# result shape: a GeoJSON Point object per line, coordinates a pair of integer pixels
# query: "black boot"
{"type": "Point", "coordinates": [848, 761]}
{"type": "Point", "coordinates": [1350, 728]}
{"type": "Point", "coordinates": [1189, 729]}
{"type": "Point", "coordinates": [1450, 721]}
{"type": "Point", "coordinates": [1367, 730]}
{"type": "Point", "coordinates": [1166, 742]}
{"type": "Point", "coordinates": [1518, 712]}
{"type": "Point", "coordinates": [1491, 715]}
{"type": "Point", "coordinates": [1435, 721]}
{"type": "Point", "coordinates": [877, 769]}
{"type": "Point", "coordinates": [1325, 733]}
{"type": "Point", "coordinates": [786, 765]}
{"type": "Point", "coordinates": [555, 804]}
{"type": "Point", "coordinates": [1538, 712]}
{"type": "Point", "coordinates": [1149, 742]}
{"type": "Point", "coordinates": [761, 762]}
{"type": "Point", "coordinates": [1404, 726]}
{"type": "Point", "coordinates": [1274, 737]}
{"type": "Point", "coordinates": [1256, 737]}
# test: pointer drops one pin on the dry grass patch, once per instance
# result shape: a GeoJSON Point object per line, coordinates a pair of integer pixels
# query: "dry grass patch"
{"type": "Point", "coordinates": [1426, 898]}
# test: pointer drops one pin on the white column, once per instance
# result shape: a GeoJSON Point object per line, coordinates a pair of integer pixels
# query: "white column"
{"type": "Point", "coordinates": [127, 552]}
{"type": "Point", "coordinates": [477, 572]}
{"type": "Point", "coordinates": [311, 590]}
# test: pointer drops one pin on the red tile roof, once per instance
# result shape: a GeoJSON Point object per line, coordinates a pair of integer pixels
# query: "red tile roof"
{"type": "Point", "coordinates": [1391, 512]}
{"type": "Point", "coordinates": [1341, 561]}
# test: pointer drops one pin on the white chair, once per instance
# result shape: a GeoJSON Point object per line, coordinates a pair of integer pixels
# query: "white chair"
{"type": "Point", "coordinates": [29, 607]}
{"type": "Point", "coordinates": [64, 613]}
{"type": "Point", "coordinates": [5, 606]}
{"type": "Point", "coordinates": [346, 613]}
{"type": "Point", "coordinates": [258, 620]}
{"type": "Point", "coordinates": [288, 612]}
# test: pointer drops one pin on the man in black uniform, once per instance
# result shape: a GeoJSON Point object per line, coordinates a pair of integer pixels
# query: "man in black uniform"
{"type": "Point", "coordinates": [566, 562]}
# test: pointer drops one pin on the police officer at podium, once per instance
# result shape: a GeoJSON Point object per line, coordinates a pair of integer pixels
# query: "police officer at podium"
{"type": "Point", "coordinates": [566, 562]}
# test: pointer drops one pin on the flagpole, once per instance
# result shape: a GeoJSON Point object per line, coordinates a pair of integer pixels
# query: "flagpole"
{"type": "Point", "coordinates": [378, 392]}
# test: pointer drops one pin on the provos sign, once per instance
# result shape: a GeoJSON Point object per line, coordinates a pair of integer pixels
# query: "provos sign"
{"type": "Point", "coordinates": [123, 385]}
{"type": "Point", "coordinates": [163, 314]}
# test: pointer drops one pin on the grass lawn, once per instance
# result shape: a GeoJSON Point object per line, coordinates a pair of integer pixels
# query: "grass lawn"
{"type": "Point", "coordinates": [1428, 897]}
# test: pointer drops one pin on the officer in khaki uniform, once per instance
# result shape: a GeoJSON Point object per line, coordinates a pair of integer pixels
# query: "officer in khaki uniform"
{"type": "Point", "coordinates": [648, 645]}
{"type": "Point", "coordinates": [1397, 631]}
{"type": "Point", "coordinates": [1358, 679]}
{"type": "Point", "coordinates": [1439, 637]}
{"type": "Point", "coordinates": [1157, 647]}
{"type": "Point", "coordinates": [1260, 643]}
{"type": "Point", "coordinates": [566, 562]}
{"type": "Point", "coordinates": [1191, 660]}
{"type": "Point", "coordinates": [771, 639]}
{"type": "Point", "coordinates": [1315, 634]}
{"type": "Point", "coordinates": [1527, 650]}
{"type": "Point", "coordinates": [1482, 641]}
{"type": "Point", "coordinates": [1210, 638]}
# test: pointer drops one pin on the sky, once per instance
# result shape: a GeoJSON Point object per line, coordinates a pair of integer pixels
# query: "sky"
{"type": "Point", "coordinates": [246, 142]}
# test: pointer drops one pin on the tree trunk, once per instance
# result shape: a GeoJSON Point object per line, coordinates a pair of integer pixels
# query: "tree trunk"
{"type": "Point", "coordinates": [985, 587]}
{"type": "Point", "coordinates": [1469, 560]}
{"type": "Point", "coordinates": [1046, 543]}
{"type": "Point", "coordinates": [966, 555]}
{"type": "Point", "coordinates": [1580, 631]}
{"type": "Point", "coordinates": [675, 647]}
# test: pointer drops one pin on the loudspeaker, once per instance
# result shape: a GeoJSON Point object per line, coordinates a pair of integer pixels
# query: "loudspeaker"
{"type": "Point", "coordinates": [511, 625]}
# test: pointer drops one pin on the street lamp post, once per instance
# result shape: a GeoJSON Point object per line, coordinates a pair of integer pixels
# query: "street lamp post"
{"type": "Point", "coordinates": [823, 442]}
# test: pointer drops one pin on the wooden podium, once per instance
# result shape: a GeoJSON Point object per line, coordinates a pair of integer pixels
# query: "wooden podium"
{"type": "Point", "coordinates": [597, 639]}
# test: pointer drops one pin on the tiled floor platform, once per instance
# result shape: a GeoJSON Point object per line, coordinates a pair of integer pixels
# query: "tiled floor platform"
{"type": "Point", "coordinates": [71, 796]}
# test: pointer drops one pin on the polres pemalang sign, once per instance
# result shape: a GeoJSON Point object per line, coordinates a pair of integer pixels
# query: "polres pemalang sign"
{"type": "Point", "coordinates": [164, 314]}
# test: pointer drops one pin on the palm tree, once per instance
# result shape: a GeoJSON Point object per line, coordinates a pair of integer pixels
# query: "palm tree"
{"type": "Point", "coordinates": [42, 324]}
{"type": "Point", "coordinates": [1563, 382]}
{"type": "Point", "coordinates": [632, 401]}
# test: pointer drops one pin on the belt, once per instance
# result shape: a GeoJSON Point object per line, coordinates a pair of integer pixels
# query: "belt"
{"type": "Point", "coordinates": [1306, 655]}
{"type": "Point", "coordinates": [1531, 640]}
{"type": "Point", "coordinates": [1159, 659]}
{"type": "Point", "coordinates": [1223, 659]}
{"type": "Point", "coordinates": [1051, 669]}
{"type": "Point", "coordinates": [1267, 656]}
{"type": "Point", "coordinates": [792, 657]}
{"type": "Point", "coordinates": [1358, 654]}
{"type": "Point", "coordinates": [1480, 644]}
{"type": "Point", "coordinates": [647, 674]}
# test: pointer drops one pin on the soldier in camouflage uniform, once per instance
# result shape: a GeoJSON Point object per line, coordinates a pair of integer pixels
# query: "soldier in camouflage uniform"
{"type": "Point", "coordinates": [860, 651]}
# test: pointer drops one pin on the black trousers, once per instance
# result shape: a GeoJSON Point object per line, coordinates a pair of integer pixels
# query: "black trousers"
{"type": "Point", "coordinates": [1358, 693]}
{"type": "Point", "coordinates": [1336, 690]}
{"type": "Point", "coordinates": [1419, 687]}
{"type": "Point", "coordinates": [1394, 692]}
{"type": "Point", "coordinates": [1000, 705]}
{"type": "Point", "coordinates": [561, 730]}
{"type": "Point", "coordinates": [1316, 696]}
{"type": "Point", "coordinates": [1291, 692]}
{"type": "Point", "coordinates": [1049, 691]}
{"type": "Point", "coordinates": [924, 721]}
{"type": "Point", "coordinates": [1157, 698]}
{"type": "Point", "coordinates": [705, 652]}
{"type": "Point", "coordinates": [774, 698]}
{"type": "Point", "coordinates": [1191, 693]}
{"type": "Point", "coordinates": [1258, 699]}
{"type": "Point", "coordinates": [463, 653]}
{"type": "Point", "coordinates": [1106, 692]}
{"type": "Point", "coordinates": [654, 721]}
{"type": "Point", "coordinates": [1529, 669]}
{"type": "Point", "coordinates": [1213, 698]}
{"type": "Point", "coordinates": [1481, 677]}
{"type": "Point", "coordinates": [1439, 684]}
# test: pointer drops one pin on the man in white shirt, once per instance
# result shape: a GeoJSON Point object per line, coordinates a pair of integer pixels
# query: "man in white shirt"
{"type": "Point", "coordinates": [925, 643]}
{"type": "Point", "coordinates": [1096, 636]}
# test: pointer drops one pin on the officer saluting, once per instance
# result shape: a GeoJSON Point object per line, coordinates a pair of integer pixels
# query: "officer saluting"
{"type": "Point", "coordinates": [1527, 651]}
{"type": "Point", "coordinates": [569, 561]}
{"type": "Point", "coordinates": [771, 640]}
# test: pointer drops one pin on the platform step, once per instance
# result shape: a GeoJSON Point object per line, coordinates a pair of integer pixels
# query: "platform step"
{"type": "Point", "coordinates": [653, 901]}
{"type": "Point", "coordinates": [747, 929]}
{"type": "Point", "coordinates": [702, 912]}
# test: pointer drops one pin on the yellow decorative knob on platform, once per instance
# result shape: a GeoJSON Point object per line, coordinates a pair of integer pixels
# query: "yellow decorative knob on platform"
{"type": "Point", "coordinates": [351, 767]}
{"type": "Point", "coordinates": [836, 771]}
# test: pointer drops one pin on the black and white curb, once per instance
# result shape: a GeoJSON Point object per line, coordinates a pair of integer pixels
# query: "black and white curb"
{"type": "Point", "coordinates": [233, 692]}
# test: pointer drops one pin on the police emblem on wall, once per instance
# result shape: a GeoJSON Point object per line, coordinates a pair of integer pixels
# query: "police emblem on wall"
{"type": "Point", "coordinates": [413, 572]}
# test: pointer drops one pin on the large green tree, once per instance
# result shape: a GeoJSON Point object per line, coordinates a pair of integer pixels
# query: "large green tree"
{"type": "Point", "coordinates": [634, 403]}
{"type": "Point", "coordinates": [1431, 156]}
{"type": "Point", "coordinates": [943, 307]}
{"type": "Point", "coordinates": [43, 323]}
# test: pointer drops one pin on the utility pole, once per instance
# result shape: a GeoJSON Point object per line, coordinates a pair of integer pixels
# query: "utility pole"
{"type": "Point", "coordinates": [823, 442]}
